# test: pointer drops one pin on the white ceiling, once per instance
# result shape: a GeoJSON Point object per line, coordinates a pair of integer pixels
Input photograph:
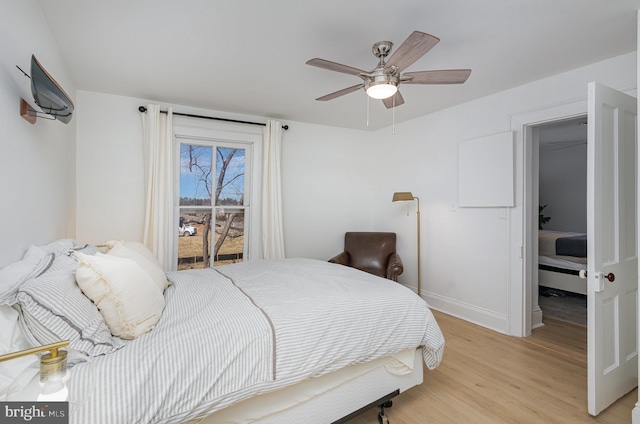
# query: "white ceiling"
{"type": "Point", "coordinates": [249, 57]}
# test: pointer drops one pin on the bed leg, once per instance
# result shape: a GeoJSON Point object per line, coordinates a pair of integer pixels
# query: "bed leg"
{"type": "Point", "coordinates": [382, 418]}
{"type": "Point", "coordinates": [383, 402]}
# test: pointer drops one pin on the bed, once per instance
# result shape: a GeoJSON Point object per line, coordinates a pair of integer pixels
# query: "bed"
{"type": "Point", "coordinates": [561, 255]}
{"type": "Point", "coordinates": [292, 340]}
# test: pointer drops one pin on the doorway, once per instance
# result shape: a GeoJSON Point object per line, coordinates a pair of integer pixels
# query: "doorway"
{"type": "Point", "coordinates": [561, 219]}
{"type": "Point", "coordinates": [560, 127]}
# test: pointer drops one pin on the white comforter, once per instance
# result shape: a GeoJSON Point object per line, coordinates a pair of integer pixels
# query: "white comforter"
{"type": "Point", "coordinates": [240, 330]}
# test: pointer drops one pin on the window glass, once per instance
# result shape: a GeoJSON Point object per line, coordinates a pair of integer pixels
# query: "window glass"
{"type": "Point", "coordinates": [212, 186]}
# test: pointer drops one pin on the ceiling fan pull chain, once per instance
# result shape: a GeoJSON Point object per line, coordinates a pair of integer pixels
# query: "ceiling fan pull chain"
{"type": "Point", "coordinates": [393, 116]}
{"type": "Point", "coordinates": [367, 111]}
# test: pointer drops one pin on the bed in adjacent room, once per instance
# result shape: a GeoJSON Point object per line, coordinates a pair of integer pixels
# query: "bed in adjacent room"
{"type": "Point", "coordinates": [561, 256]}
{"type": "Point", "coordinates": [292, 340]}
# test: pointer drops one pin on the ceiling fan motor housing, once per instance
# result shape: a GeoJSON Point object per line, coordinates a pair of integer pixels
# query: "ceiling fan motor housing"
{"type": "Point", "coordinates": [382, 48]}
{"type": "Point", "coordinates": [380, 77]}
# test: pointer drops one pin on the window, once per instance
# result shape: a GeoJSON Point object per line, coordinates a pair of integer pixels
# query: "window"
{"type": "Point", "coordinates": [214, 206]}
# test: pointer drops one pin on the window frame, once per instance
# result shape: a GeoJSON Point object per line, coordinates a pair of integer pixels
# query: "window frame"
{"type": "Point", "coordinates": [221, 134]}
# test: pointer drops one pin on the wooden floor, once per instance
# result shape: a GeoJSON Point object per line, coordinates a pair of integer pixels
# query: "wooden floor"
{"type": "Point", "coordinates": [487, 377]}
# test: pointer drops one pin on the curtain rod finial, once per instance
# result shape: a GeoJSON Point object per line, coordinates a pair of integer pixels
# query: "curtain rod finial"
{"type": "Point", "coordinates": [142, 109]}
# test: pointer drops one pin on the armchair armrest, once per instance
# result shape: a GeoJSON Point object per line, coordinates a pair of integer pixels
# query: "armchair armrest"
{"type": "Point", "coordinates": [395, 267]}
{"type": "Point", "coordinates": [342, 259]}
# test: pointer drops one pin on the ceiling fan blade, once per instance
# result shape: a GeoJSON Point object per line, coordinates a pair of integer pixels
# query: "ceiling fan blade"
{"type": "Point", "coordinates": [393, 101]}
{"type": "Point", "coordinates": [412, 49]}
{"type": "Point", "coordinates": [444, 76]}
{"type": "Point", "coordinates": [340, 93]}
{"type": "Point", "coordinates": [333, 66]}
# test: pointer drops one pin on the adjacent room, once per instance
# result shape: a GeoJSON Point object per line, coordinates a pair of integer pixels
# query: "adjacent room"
{"type": "Point", "coordinates": [562, 194]}
{"type": "Point", "coordinates": [330, 212]}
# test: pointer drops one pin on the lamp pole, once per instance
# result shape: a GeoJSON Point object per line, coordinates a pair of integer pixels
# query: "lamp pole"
{"type": "Point", "coordinates": [407, 196]}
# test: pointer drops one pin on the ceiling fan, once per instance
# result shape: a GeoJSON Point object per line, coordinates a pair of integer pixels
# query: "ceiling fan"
{"type": "Point", "coordinates": [383, 81]}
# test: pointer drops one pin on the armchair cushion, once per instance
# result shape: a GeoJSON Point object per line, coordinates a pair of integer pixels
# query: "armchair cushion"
{"type": "Point", "coordinates": [372, 252]}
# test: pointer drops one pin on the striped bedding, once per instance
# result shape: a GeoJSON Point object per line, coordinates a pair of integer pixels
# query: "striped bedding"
{"type": "Point", "coordinates": [240, 330]}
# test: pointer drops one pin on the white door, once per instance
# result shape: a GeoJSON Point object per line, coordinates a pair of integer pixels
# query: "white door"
{"type": "Point", "coordinates": [612, 270]}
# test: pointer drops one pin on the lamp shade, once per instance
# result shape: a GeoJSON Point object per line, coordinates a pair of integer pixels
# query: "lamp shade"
{"type": "Point", "coordinates": [382, 90]}
{"type": "Point", "coordinates": [402, 196]}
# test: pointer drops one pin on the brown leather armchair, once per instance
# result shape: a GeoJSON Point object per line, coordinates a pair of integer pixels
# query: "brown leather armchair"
{"type": "Point", "coordinates": [371, 252]}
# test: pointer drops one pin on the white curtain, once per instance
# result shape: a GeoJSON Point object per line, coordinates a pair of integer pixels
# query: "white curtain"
{"type": "Point", "coordinates": [158, 183]}
{"type": "Point", "coordinates": [271, 214]}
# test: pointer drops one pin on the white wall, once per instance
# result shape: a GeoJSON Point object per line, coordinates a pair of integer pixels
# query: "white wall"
{"type": "Point", "coordinates": [563, 186]}
{"type": "Point", "coordinates": [328, 181]}
{"type": "Point", "coordinates": [110, 178]}
{"type": "Point", "coordinates": [36, 161]}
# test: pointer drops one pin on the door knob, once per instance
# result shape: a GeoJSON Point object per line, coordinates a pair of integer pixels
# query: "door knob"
{"type": "Point", "coordinates": [610, 276]}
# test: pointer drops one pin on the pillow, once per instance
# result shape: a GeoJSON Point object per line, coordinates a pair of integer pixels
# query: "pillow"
{"type": "Point", "coordinates": [34, 263]}
{"type": "Point", "coordinates": [54, 308]}
{"type": "Point", "coordinates": [143, 257]}
{"type": "Point", "coordinates": [67, 247]}
{"type": "Point", "coordinates": [136, 246]}
{"type": "Point", "coordinates": [58, 247]}
{"type": "Point", "coordinates": [129, 300]}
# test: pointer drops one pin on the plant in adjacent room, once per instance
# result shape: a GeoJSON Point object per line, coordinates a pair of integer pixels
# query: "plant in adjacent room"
{"type": "Point", "coordinates": [542, 219]}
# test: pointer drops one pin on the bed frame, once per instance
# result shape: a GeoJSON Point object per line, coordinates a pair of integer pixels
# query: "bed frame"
{"type": "Point", "coordinates": [560, 257]}
{"type": "Point", "coordinates": [561, 279]}
{"type": "Point", "coordinates": [333, 398]}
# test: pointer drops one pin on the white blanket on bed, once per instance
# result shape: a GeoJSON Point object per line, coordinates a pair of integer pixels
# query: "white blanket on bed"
{"type": "Point", "coordinates": [240, 330]}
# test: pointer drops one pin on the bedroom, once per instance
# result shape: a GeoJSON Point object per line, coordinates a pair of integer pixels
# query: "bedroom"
{"type": "Point", "coordinates": [84, 181]}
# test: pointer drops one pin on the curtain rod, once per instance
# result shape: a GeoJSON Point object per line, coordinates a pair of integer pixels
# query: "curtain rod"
{"type": "Point", "coordinates": [144, 109]}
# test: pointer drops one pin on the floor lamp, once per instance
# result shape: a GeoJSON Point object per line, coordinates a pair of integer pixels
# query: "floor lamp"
{"type": "Point", "coordinates": [405, 196]}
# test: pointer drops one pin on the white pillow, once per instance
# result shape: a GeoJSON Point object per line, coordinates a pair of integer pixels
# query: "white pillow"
{"type": "Point", "coordinates": [143, 256]}
{"type": "Point", "coordinates": [128, 299]}
{"type": "Point", "coordinates": [137, 246]}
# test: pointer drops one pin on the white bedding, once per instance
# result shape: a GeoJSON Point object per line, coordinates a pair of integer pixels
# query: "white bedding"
{"type": "Point", "coordinates": [236, 331]}
{"type": "Point", "coordinates": [565, 262]}
{"type": "Point", "coordinates": [346, 390]}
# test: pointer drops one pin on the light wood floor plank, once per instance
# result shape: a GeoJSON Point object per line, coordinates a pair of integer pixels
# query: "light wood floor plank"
{"type": "Point", "coordinates": [487, 377]}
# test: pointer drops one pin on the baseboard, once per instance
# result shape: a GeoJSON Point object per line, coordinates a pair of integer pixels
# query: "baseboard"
{"type": "Point", "coordinates": [467, 312]}
{"type": "Point", "coordinates": [536, 318]}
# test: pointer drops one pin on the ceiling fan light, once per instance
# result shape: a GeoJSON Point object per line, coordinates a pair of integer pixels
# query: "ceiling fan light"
{"type": "Point", "coordinates": [381, 90]}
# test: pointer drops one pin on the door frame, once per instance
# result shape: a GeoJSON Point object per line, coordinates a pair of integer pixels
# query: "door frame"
{"type": "Point", "coordinates": [523, 314]}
